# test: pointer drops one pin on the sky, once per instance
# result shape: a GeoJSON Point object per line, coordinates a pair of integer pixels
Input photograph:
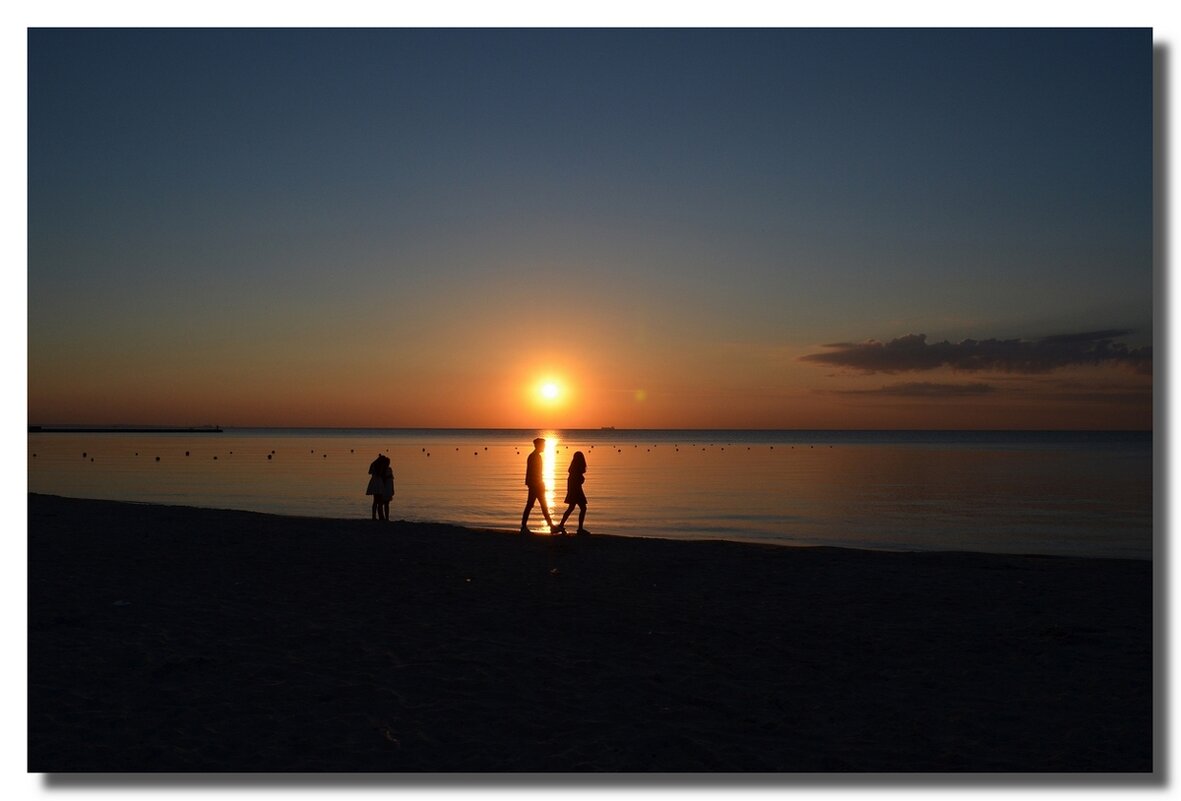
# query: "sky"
{"type": "Point", "coordinates": [673, 228]}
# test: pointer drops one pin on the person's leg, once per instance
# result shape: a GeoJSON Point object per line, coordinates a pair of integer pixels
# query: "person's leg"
{"type": "Point", "coordinates": [581, 516]}
{"type": "Point", "coordinates": [545, 510]}
{"type": "Point", "coordinates": [566, 515]}
{"type": "Point", "coordinates": [528, 508]}
{"type": "Point", "coordinates": [376, 506]}
{"type": "Point", "coordinates": [385, 508]}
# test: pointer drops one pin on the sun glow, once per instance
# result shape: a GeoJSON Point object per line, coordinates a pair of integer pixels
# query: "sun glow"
{"type": "Point", "coordinates": [549, 396]}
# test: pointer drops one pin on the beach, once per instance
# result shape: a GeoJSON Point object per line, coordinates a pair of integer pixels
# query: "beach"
{"type": "Point", "coordinates": [176, 639]}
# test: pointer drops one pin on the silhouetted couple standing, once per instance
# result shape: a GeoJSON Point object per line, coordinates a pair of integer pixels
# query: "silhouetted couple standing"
{"type": "Point", "coordinates": [381, 486]}
{"type": "Point", "coordinates": [535, 481]}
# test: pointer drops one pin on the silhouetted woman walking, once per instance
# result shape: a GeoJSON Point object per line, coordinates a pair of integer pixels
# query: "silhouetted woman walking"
{"type": "Point", "coordinates": [575, 496]}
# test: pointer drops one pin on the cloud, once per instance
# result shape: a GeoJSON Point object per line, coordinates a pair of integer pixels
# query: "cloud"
{"type": "Point", "coordinates": [1026, 356]}
{"type": "Point", "coordinates": [923, 389]}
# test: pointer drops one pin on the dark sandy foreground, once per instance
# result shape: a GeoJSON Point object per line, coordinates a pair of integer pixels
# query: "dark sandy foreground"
{"type": "Point", "coordinates": [177, 639]}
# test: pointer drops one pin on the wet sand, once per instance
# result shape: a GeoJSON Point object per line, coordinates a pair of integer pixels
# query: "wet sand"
{"type": "Point", "coordinates": [176, 639]}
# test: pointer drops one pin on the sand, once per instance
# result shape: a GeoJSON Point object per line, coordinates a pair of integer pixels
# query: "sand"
{"type": "Point", "coordinates": [175, 639]}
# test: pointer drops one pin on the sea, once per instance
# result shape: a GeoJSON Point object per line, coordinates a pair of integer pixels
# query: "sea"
{"type": "Point", "coordinates": [1018, 492]}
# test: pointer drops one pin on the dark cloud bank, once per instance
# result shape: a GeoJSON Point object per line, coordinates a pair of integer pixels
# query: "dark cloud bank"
{"type": "Point", "coordinates": [1027, 356]}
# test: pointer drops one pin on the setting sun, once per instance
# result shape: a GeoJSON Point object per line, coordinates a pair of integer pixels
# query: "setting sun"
{"type": "Point", "coordinates": [548, 397]}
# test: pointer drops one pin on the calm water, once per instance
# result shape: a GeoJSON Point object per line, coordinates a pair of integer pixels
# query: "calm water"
{"type": "Point", "coordinates": [1086, 494]}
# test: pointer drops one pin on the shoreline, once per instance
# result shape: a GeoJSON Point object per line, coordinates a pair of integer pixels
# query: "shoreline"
{"type": "Point", "coordinates": [175, 639]}
{"type": "Point", "coordinates": [511, 530]}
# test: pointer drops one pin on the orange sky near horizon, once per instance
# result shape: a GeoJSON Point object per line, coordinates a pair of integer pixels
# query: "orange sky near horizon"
{"type": "Point", "coordinates": [730, 394]}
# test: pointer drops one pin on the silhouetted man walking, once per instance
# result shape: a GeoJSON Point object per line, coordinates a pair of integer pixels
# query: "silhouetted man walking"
{"type": "Point", "coordinates": [535, 481]}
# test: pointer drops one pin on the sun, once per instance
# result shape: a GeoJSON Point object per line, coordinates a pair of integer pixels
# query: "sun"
{"type": "Point", "coordinates": [550, 390]}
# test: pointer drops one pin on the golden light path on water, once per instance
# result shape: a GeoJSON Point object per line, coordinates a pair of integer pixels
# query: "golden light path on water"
{"type": "Point", "coordinates": [549, 461]}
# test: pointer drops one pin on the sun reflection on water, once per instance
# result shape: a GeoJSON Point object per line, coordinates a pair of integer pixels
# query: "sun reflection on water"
{"type": "Point", "coordinates": [549, 461]}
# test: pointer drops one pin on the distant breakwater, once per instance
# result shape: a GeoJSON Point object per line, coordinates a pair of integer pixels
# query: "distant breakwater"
{"type": "Point", "coordinates": [123, 430]}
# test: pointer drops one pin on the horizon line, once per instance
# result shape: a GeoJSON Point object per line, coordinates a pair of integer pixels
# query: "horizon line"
{"type": "Point", "coordinates": [148, 428]}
